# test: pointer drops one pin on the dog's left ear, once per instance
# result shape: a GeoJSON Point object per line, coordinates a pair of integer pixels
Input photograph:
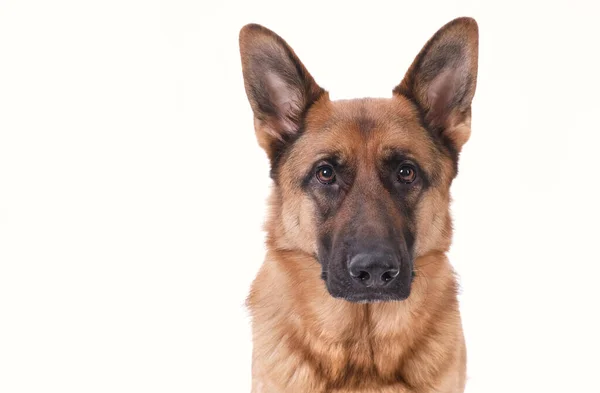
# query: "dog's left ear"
{"type": "Point", "coordinates": [442, 80]}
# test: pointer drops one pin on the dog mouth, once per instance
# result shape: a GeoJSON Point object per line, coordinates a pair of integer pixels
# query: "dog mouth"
{"type": "Point", "coordinates": [324, 275]}
{"type": "Point", "coordinates": [365, 298]}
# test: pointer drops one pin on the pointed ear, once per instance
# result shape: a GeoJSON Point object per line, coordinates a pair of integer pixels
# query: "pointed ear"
{"type": "Point", "coordinates": [279, 88]}
{"type": "Point", "coordinates": [442, 80]}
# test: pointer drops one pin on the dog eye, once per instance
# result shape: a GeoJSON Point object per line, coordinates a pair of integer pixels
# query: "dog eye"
{"type": "Point", "coordinates": [325, 174]}
{"type": "Point", "coordinates": [407, 174]}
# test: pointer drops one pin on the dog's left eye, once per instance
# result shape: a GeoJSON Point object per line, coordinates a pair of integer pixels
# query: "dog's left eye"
{"type": "Point", "coordinates": [407, 173]}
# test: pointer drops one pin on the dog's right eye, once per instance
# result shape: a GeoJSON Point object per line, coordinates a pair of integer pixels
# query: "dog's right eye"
{"type": "Point", "coordinates": [325, 174]}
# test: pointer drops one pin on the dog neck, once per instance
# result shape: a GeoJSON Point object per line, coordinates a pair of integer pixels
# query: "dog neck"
{"type": "Point", "coordinates": [297, 322]}
{"type": "Point", "coordinates": [299, 328]}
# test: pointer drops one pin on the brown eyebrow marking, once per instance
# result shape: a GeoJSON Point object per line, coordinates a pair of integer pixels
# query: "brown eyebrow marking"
{"type": "Point", "coordinates": [328, 155]}
{"type": "Point", "coordinates": [390, 152]}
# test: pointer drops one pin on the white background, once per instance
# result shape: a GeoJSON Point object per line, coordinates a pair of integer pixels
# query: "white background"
{"type": "Point", "coordinates": [132, 190]}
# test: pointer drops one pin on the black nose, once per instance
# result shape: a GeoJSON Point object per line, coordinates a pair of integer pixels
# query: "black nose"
{"type": "Point", "coordinates": [374, 269]}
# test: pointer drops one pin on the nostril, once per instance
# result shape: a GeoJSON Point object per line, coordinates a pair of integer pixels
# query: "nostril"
{"type": "Point", "coordinates": [373, 270]}
{"type": "Point", "coordinates": [389, 275]}
{"type": "Point", "coordinates": [363, 276]}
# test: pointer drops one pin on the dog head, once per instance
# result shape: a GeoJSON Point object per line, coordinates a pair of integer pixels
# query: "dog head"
{"type": "Point", "coordinates": [363, 184]}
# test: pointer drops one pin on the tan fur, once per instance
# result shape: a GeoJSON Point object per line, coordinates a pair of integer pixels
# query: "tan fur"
{"type": "Point", "coordinates": [307, 341]}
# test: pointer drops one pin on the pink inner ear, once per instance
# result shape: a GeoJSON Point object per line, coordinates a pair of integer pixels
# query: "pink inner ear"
{"type": "Point", "coordinates": [444, 94]}
{"type": "Point", "coordinates": [286, 100]}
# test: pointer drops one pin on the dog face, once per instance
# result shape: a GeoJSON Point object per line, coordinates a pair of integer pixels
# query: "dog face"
{"type": "Point", "coordinates": [363, 184]}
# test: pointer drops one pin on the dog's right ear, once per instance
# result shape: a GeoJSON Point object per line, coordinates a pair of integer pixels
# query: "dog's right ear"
{"type": "Point", "coordinates": [279, 88]}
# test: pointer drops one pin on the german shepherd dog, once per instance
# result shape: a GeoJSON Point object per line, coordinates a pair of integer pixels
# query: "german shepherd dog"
{"type": "Point", "coordinates": [356, 293]}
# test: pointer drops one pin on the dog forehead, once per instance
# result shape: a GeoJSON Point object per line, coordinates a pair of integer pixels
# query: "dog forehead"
{"type": "Point", "coordinates": [363, 129]}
